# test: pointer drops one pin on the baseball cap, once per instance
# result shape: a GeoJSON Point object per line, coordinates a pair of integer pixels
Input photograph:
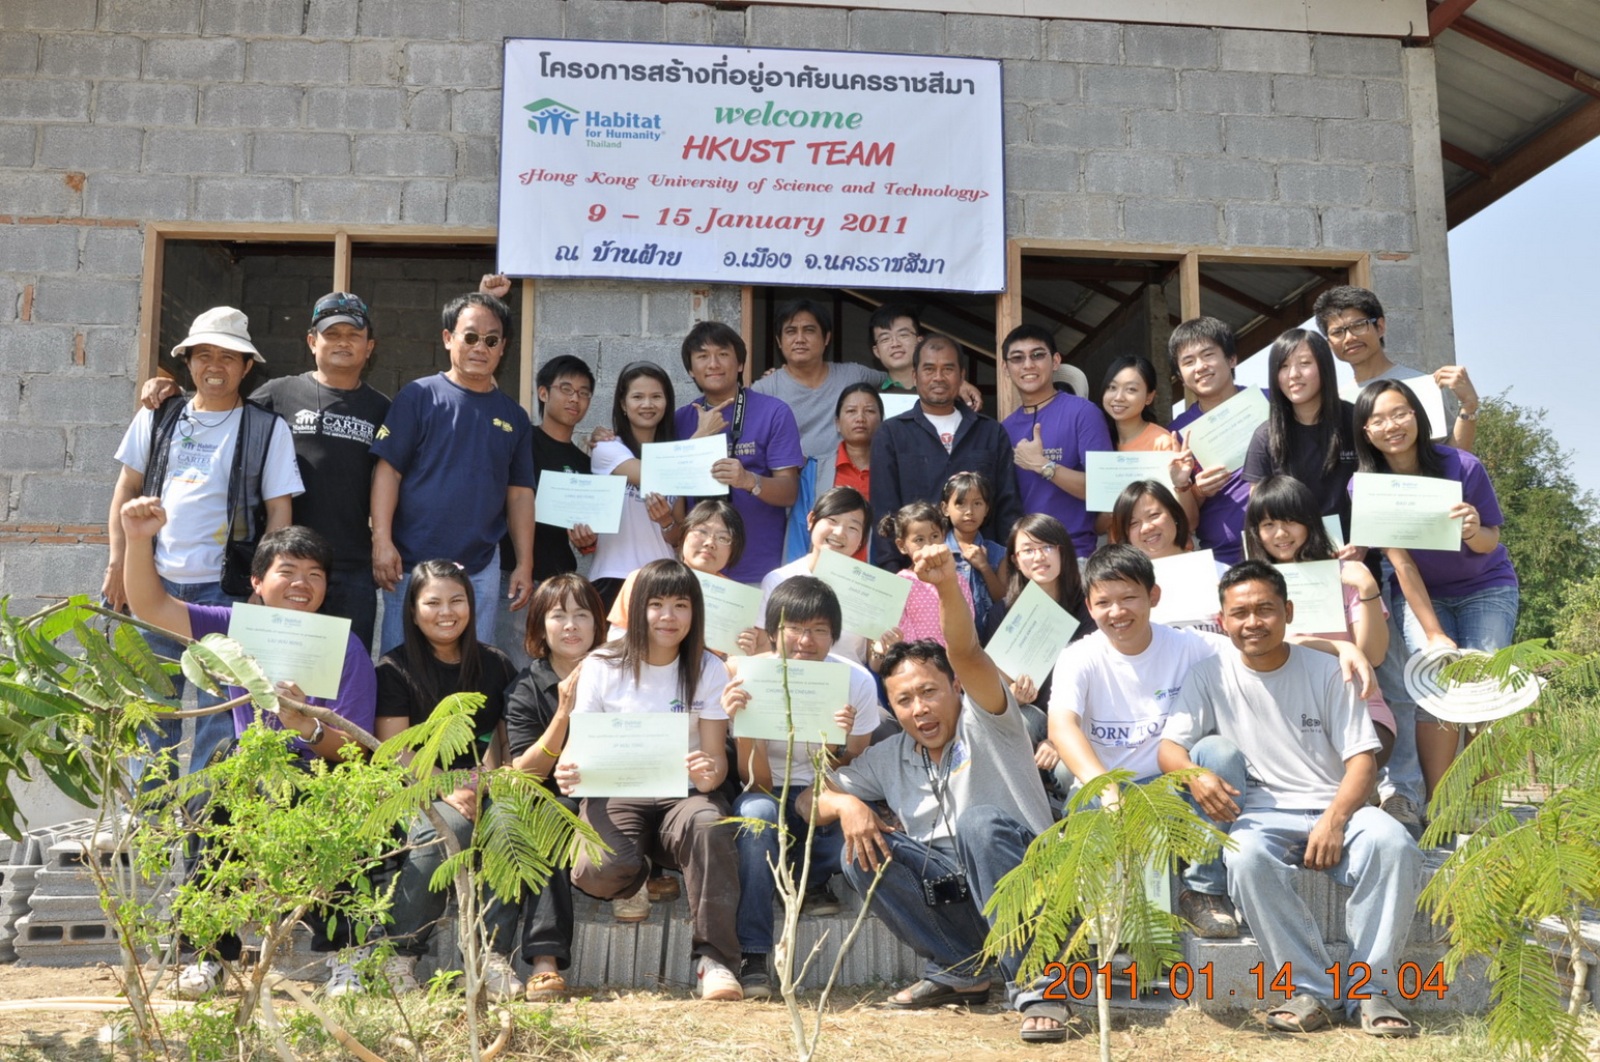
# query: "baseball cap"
{"type": "Point", "coordinates": [221, 326]}
{"type": "Point", "coordinates": [339, 307]}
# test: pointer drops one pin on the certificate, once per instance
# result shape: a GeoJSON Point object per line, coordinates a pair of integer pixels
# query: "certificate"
{"type": "Point", "coordinates": [682, 469]}
{"type": "Point", "coordinates": [1330, 524]}
{"type": "Point", "coordinates": [1032, 635]}
{"type": "Point", "coordinates": [304, 648]}
{"type": "Point", "coordinates": [730, 608]}
{"type": "Point", "coordinates": [1188, 585]}
{"type": "Point", "coordinates": [1222, 436]}
{"type": "Point", "coordinates": [871, 599]}
{"type": "Point", "coordinates": [1430, 396]}
{"type": "Point", "coordinates": [1405, 512]}
{"type": "Point", "coordinates": [1108, 471]}
{"type": "Point", "coordinates": [1318, 597]}
{"type": "Point", "coordinates": [569, 498]}
{"type": "Point", "coordinates": [817, 690]}
{"type": "Point", "coordinates": [897, 402]}
{"type": "Point", "coordinates": [629, 754]}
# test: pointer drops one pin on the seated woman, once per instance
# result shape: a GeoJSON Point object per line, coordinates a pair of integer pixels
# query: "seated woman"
{"type": "Point", "coordinates": [441, 656]}
{"type": "Point", "coordinates": [838, 522]}
{"type": "Point", "coordinates": [565, 621]}
{"type": "Point", "coordinates": [1149, 517]}
{"type": "Point", "coordinates": [662, 666]}
{"type": "Point", "coordinates": [713, 540]}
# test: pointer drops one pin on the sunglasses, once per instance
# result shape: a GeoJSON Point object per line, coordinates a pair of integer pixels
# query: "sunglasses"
{"type": "Point", "coordinates": [472, 339]}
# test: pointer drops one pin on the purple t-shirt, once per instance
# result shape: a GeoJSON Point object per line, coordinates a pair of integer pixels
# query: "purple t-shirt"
{"type": "Point", "coordinates": [768, 439]}
{"type": "Point", "coordinates": [1069, 428]}
{"type": "Point", "coordinates": [358, 684]}
{"type": "Point", "coordinates": [1458, 572]}
{"type": "Point", "coordinates": [1221, 525]}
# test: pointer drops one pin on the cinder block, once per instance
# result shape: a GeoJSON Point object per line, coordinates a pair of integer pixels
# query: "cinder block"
{"type": "Point", "coordinates": [203, 59]}
{"type": "Point", "coordinates": [797, 27]}
{"type": "Point", "coordinates": [48, 14]}
{"type": "Point", "coordinates": [918, 32]}
{"type": "Point", "coordinates": [1358, 56]}
{"type": "Point", "coordinates": [405, 156]}
{"type": "Point", "coordinates": [1318, 97]}
{"type": "Point", "coordinates": [1130, 87]}
{"type": "Point", "coordinates": [1266, 50]}
{"type": "Point", "coordinates": [194, 151]}
{"type": "Point", "coordinates": [1169, 221]}
{"type": "Point", "coordinates": [614, 20]}
{"type": "Point", "coordinates": [1269, 225]}
{"type": "Point", "coordinates": [1208, 92]}
{"type": "Point", "coordinates": [1014, 124]}
{"type": "Point", "coordinates": [428, 20]}
{"type": "Point", "coordinates": [1392, 188]}
{"type": "Point", "coordinates": [65, 499]}
{"type": "Point", "coordinates": [428, 111]}
{"type": "Point", "coordinates": [150, 16]}
{"type": "Point", "coordinates": [1366, 142]}
{"type": "Point", "coordinates": [348, 200]}
{"type": "Point", "coordinates": [251, 106]}
{"type": "Point", "coordinates": [590, 308]}
{"type": "Point", "coordinates": [472, 203]}
{"type": "Point", "coordinates": [689, 23]}
{"type": "Point", "coordinates": [298, 62]}
{"type": "Point", "coordinates": [29, 571]}
{"type": "Point", "coordinates": [456, 65]}
{"type": "Point", "coordinates": [478, 156]}
{"type": "Point", "coordinates": [1373, 230]}
{"type": "Point", "coordinates": [475, 111]}
{"type": "Point", "coordinates": [729, 28]}
{"type": "Point", "coordinates": [351, 109]}
{"type": "Point", "coordinates": [1176, 131]}
{"type": "Point", "coordinates": [1323, 184]}
{"type": "Point", "coordinates": [1177, 47]}
{"type": "Point", "coordinates": [1079, 127]}
{"type": "Point", "coordinates": [17, 146]}
{"type": "Point", "coordinates": [497, 19]}
{"type": "Point", "coordinates": [994, 36]}
{"type": "Point", "coordinates": [1026, 80]}
{"type": "Point", "coordinates": [331, 18]}
{"type": "Point", "coordinates": [143, 103]}
{"type": "Point", "coordinates": [85, 300]}
{"type": "Point", "coordinates": [126, 196]}
{"type": "Point", "coordinates": [43, 100]}
{"type": "Point", "coordinates": [19, 54]}
{"type": "Point", "coordinates": [1386, 101]}
{"type": "Point", "coordinates": [1031, 169]}
{"type": "Point", "coordinates": [1072, 216]}
{"type": "Point", "coordinates": [1224, 178]}
{"type": "Point", "coordinates": [1083, 42]}
{"type": "Point", "coordinates": [1397, 284]}
{"type": "Point", "coordinates": [377, 62]}
{"type": "Point", "coordinates": [37, 348]}
{"type": "Point", "coordinates": [1271, 138]}
{"type": "Point", "coordinates": [91, 56]}
{"type": "Point", "coordinates": [251, 18]}
{"type": "Point", "coordinates": [245, 198]}
{"type": "Point", "coordinates": [34, 449]}
{"type": "Point", "coordinates": [1130, 173]}
{"type": "Point", "coordinates": [90, 147]}
{"type": "Point", "coordinates": [423, 202]}
{"type": "Point", "coordinates": [300, 153]}
{"type": "Point", "coordinates": [91, 448]}
{"type": "Point", "coordinates": [41, 248]}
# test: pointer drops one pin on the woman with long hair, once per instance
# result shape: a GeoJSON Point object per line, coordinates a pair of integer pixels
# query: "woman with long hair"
{"type": "Point", "coordinates": [661, 665]}
{"type": "Point", "coordinates": [1466, 597]}
{"type": "Point", "coordinates": [1127, 398]}
{"type": "Point", "coordinates": [641, 412]}
{"type": "Point", "coordinates": [838, 521]}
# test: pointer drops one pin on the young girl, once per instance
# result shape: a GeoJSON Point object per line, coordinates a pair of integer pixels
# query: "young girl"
{"type": "Point", "coordinates": [1127, 397]}
{"type": "Point", "coordinates": [965, 501]}
{"type": "Point", "coordinates": [1466, 597]}
{"type": "Point", "coordinates": [838, 522]}
{"type": "Point", "coordinates": [565, 621]}
{"type": "Point", "coordinates": [661, 665]}
{"type": "Point", "coordinates": [856, 415]}
{"type": "Point", "coordinates": [1307, 435]}
{"type": "Point", "coordinates": [914, 527]}
{"type": "Point", "coordinates": [641, 412]}
{"type": "Point", "coordinates": [1282, 525]}
{"type": "Point", "coordinates": [440, 656]}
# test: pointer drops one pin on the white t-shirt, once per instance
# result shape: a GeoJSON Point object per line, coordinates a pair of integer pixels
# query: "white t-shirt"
{"type": "Point", "coordinates": [1122, 701]}
{"type": "Point", "coordinates": [638, 539]}
{"type": "Point", "coordinates": [604, 685]}
{"type": "Point", "coordinates": [863, 698]}
{"type": "Point", "coordinates": [199, 462]}
{"type": "Point", "coordinates": [945, 424]}
{"type": "Point", "coordinates": [852, 647]}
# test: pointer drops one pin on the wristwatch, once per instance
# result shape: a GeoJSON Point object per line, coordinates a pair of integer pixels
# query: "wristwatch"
{"type": "Point", "coordinates": [1049, 470]}
{"type": "Point", "coordinates": [316, 736]}
{"type": "Point", "coordinates": [755, 491]}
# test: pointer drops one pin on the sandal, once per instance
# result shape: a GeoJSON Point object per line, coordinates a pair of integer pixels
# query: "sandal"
{"type": "Point", "coordinates": [547, 987]}
{"type": "Point", "coordinates": [925, 994]}
{"type": "Point", "coordinates": [1305, 1013]}
{"type": "Point", "coordinates": [1378, 1009]}
{"type": "Point", "coordinates": [1068, 1024]}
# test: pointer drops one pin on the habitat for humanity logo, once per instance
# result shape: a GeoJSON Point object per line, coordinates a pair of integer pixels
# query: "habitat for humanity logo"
{"type": "Point", "coordinates": [551, 116]}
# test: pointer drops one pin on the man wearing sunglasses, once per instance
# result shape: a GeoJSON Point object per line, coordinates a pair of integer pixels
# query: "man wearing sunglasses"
{"type": "Point", "coordinates": [455, 471]}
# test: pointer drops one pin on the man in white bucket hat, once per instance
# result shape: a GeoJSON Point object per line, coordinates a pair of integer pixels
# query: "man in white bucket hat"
{"type": "Point", "coordinates": [225, 471]}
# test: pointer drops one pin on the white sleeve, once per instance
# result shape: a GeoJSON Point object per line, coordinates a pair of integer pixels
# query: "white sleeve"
{"type": "Point", "coordinates": [1350, 719]}
{"type": "Point", "coordinates": [590, 694]}
{"type": "Point", "coordinates": [134, 449]}
{"type": "Point", "coordinates": [713, 678]}
{"type": "Point", "coordinates": [607, 456]}
{"type": "Point", "coordinates": [1191, 717]}
{"type": "Point", "coordinates": [282, 474]}
{"type": "Point", "coordinates": [1069, 687]}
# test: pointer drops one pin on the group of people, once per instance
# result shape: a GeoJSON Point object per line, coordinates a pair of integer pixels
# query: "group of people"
{"type": "Point", "coordinates": [1312, 753]}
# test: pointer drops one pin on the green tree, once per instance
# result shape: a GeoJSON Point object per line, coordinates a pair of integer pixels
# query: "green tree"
{"type": "Point", "coordinates": [1551, 528]}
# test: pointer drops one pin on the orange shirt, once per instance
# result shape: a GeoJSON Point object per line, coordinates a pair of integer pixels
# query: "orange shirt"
{"type": "Point", "coordinates": [1153, 437]}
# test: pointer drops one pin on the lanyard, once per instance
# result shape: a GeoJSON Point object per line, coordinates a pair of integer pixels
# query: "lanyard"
{"type": "Point", "coordinates": [736, 428]}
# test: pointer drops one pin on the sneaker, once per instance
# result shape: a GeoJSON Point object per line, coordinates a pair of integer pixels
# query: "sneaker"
{"type": "Point", "coordinates": [343, 980]}
{"type": "Point", "coordinates": [821, 901]}
{"type": "Point", "coordinates": [717, 981]}
{"type": "Point", "coordinates": [663, 888]}
{"type": "Point", "coordinates": [755, 981]}
{"type": "Point", "coordinates": [198, 979]}
{"type": "Point", "coordinates": [500, 980]}
{"type": "Point", "coordinates": [1402, 810]}
{"type": "Point", "coordinates": [1210, 916]}
{"type": "Point", "coordinates": [635, 908]}
{"type": "Point", "coordinates": [401, 973]}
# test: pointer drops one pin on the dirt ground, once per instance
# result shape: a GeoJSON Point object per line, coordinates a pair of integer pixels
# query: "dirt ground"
{"type": "Point", "coordinates": [660, 1026]}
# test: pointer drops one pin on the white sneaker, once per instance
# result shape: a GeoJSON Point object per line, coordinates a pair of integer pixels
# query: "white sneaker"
{"type": "Point", "coordinates": [635, 908]}
{"type": "Point", "coordinates": [500, 980]}
{"type": "Point", "coordinates": [343, 980]}
{"type": "Point", "coordinates": [198, 979]}
{"type": "Point", "coordinates": [717, 981]}
{"type": "Point", "coordinates": [401, 973]}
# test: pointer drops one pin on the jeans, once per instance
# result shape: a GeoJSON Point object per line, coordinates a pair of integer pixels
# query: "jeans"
{"type": "Point", "coordinates": [209, 730]}
{"type": "Point", "coordinates": [1380, 862]}
{"type": "Point", "coordinates": [353, 595]}
{"type": "Point", "coordinates": [758, 855]}
{"type": "Point", "coordinates": [1402, 774]}
{"type": "Point", "coordinates": [416, 908]}
{"type": "Point", "coordinates": [1222, 758]}
{"type": "Point", "coordinates": [1486, 620]}
{"type": "Point", "coordinates": [485, 611]}
{"type": "Point", "coordinates": [1059, 781]}
{"type": "Point", "coordinates": [511, 628]}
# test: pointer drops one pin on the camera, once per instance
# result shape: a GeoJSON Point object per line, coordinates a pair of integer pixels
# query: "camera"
{"type": "Point", "coordinates": [941, 892]}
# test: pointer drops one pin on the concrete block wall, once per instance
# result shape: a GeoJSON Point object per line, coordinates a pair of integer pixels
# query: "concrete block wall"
{"type": "Point", "coordinates": [118, 113]}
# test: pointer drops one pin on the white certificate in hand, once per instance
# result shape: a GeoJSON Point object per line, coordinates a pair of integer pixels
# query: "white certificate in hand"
{"type": "Point", "coordinates": [1404, 512]}
{"type": "Point", "coordinates": [871, 599]}
{"type": "Point", "coordinates": [682, 469]}
{"type": "Point", "coordinates": [568, 498]}
{"type": "Point", "coordinates": [1318, 597]}
{"type": "Point", "coordinates": [897, 402]}
{"type": "Point", "coordinates": [1222, 436]}
{"type": "Point", "coordinates": [304, 648]}
{"type": "Point", "coordinates": [629, 754]}
{"type": "Point", "coordinates": [730, 608]}
{"type": "Point", "coordinates": [1108, 471]}
{"type": "Point", "coordinates": [1188, 584]}
{"type": "Point", "coordinates": [1032, 636]}
{"type": "Point", "coordinates": [818, 689]}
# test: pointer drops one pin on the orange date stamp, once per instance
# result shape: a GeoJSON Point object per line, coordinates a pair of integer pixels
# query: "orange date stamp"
{"type": "Point", "coordinates": [1351, 981]}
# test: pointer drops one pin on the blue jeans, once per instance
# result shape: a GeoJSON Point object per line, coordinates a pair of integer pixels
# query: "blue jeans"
{"type": "Point", "coordinates": [1402, 774]}
{"type": "Point", "coordinates": [486, 607]}
{"type": "Point", "coordinates": [1485, 620]}
{"type": "Point", "coordinates": [209, 730]}
{"type": "Point", "coordinates": [1222, 758]}
{"type": "Point", "coordinates": [758, 854]}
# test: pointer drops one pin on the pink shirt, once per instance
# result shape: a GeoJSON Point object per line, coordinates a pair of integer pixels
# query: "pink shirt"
{"type": "Point", "coordinates": [921, 616]}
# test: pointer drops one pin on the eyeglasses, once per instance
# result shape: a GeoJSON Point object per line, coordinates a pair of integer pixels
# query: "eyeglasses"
{"type": "Point", "coordinates": [568, 391]}
{"type": "Point", "coordinates": [1399, 418]}
{"type": "Point", "coordinates": [1030, 552]}
{"type": "Point", "coordinates": [899, 333]}
{"type": "Point", "coordinates": [720, 538]}
{"type": "Point", "coordinates": [1023, 356]}
{"type": "Point", "coordinates": [472, 339]}
{"type": "Point", "coordinates": [815, 634]}
{"type": "Point", "coordinates": [1354, 326]}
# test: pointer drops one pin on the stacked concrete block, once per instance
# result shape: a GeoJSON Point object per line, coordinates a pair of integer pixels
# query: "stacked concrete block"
{"type": "Point", "coordinates": [66, 924]}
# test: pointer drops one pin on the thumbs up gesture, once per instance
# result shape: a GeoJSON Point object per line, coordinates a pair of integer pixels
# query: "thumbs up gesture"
{"type": "Point", "coordinates": [1029, 454]}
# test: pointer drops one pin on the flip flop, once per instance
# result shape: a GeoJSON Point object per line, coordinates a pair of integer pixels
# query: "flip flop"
{"type": "Point", "coordinates": [1306, 1013]}
{"type": "Point", "coordinates": [1070, 1025]}
{"type": "Point", "coordinates": [926, 994]}
{"type": "Point", "coordinates": [1372, 1010]}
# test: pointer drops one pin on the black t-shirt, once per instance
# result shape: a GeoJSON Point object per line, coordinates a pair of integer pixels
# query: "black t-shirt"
{"type": "Point", "coordinates": [333, 432]}
{"type": "Point", "coordinates": [1331, 489]}
{"type": "Point", "coordinates": [552, 552]}
{"type": "Point", "coordinates": [530, 706]}
{"type": "Point", "coordinates": [400, 696]}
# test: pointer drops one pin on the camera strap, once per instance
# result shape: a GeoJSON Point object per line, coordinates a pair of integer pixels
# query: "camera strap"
{"type": "Point", "coordinates": [939, 782]}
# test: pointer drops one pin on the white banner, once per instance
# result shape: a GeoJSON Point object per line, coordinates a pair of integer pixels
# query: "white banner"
{"type": "Point", "coordinates": [751, 166]}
